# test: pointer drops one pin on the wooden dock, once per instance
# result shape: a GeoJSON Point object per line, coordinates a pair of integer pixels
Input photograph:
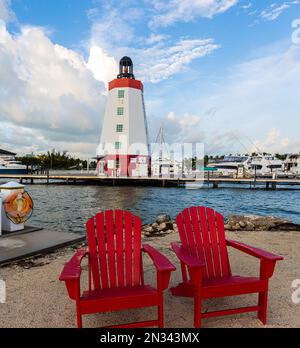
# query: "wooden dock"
{"type": "Point", "coordinates": [34, 241]}
{"type": "Point", "coordinates": [213, 182]}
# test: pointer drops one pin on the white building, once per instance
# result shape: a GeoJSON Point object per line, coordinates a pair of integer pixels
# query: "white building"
{"type": "Point", "coordinates": [124, 148]}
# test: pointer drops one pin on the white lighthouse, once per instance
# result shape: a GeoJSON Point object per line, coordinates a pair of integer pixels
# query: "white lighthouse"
{"type": "Point", "coordinates": [124, 149]}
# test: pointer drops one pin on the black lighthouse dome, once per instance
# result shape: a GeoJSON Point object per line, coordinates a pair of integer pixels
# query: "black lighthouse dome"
{"type": "Point", "coordinates": [126, 68]}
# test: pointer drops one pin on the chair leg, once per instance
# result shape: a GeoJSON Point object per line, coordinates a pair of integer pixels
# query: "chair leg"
{"type": "Point", "coordinates": [263, 303]}
{"type": "Point", "coordinates": [79, 317]}
{"type": "Point", "coordinates": [198, 311]}
{"type": "Point", "coordinates": [161, 324]}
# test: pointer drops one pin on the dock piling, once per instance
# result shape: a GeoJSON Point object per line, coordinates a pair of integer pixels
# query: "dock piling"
{"type": "Point", "coordinates": [216, 185]}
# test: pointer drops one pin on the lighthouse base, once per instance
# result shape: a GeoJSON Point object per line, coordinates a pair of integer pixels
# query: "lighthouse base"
{"type": "Point", "coordinates": [134, 166]}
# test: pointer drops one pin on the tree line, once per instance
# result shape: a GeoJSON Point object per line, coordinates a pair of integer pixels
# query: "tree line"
{"type": "Point", "coordinates": [55, 160]}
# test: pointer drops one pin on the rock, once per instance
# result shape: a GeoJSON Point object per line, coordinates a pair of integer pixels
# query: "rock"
{"type": "Point", "coordinates": [155, 226]}
{"type": "Point", "coordinates": [250, 226]}
{"type": "Point", "coordinates": [169, 225]}
{"type": "Point", "coordinates": [260, 223]}
{"type": "Point", "coordinates": [235, 223]}
{"type": "Point", "coordinates": [148, 229]}
{"type": "Point", "coordinates": [163, 218]}
{"type": "Point", "coordinates": [288, 226]}
{"type": "Point", "coordinates": [162, 227]}
{"type": "Point", "coordinates": [242, 224]}
{"type": "Point", "coordinates": [167, 232]}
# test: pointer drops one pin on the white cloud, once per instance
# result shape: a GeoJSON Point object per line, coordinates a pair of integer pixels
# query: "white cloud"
{"type": "Point", "coordinates": [155, 38]}
{"type": "Point", "coordinates": [186, 120]}
{"type": "Point", "coordinates": [152, 64]}
{"type": "Point", "coordinates": [247, 6]}
{"type": "Point", "coordinates": [103, 67]}
{"type": "Point", "coordinates": [178, 128]}
{"type": "Point", "coordinates": [275, 10]}
{"type": "Point", "coordinates": [256, 103]}
{"type": "Point", "coordinates": [276, 143]}
{"type": "Point", "coordinates": [160, 62]}
{"type": "Point", "coordinates": [6, 14]}
{"type": "Point", "coordinates": [155, 58]}
{"type": "Point", "coordinates": [25, 140]}
{"type": "Point", "coordinates": [259, 100]}
{"type": "Point", "coordinates": [187, 10]}
{"type": "Point", "coordinates": [48, 90]}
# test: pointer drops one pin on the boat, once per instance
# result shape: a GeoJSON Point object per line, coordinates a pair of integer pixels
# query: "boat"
{"type": "Point", "coordinates": [292, 164]}
{"type": "Point", "coordinates": [9, 165]}
{"type": "Point", "coordinates": [166, 168]}
{"type": "Point", "coordinates": [257, 165]}
{"type": "Point", "coordinates": [230, 165]}
{"type": "Point", "coordinates": [265, 165]}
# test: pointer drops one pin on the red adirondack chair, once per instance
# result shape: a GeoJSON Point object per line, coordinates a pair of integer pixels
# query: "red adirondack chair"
{"type": "Point", "coordinates": [116, 269]}
{"type": "Point", "coordinates": [204, 254]}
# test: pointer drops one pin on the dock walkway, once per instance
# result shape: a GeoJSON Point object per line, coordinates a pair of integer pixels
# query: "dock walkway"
{"type": "Point", "coordinates": [214, 182]}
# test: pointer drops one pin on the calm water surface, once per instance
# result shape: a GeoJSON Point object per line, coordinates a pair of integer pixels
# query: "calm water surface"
{"type": "Point", "coordinates": [67, 208]}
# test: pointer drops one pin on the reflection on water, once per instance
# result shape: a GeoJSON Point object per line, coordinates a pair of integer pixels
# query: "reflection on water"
{"type": "Point", "coordinates": [69, 207]}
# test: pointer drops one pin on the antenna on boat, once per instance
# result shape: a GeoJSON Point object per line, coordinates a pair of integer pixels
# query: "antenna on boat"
{"type": "Point", "coordinates": [161, 140]}
{"type": "Point", "coordinates": [252, 142]}
{"type": "Point", "coordinates": [240, 142]}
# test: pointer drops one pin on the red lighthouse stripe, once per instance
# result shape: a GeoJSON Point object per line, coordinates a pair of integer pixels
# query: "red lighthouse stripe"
{"type": "Point", "coordinates": [123, 83]}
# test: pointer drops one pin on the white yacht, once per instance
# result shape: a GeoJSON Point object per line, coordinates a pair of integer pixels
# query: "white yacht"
{"type": "Point", "coordinates": [292, 164]}
{"type": "Point", "coordinates": [263, 165]}
{"type": "Point", "coordinates": [9, 165]}
{"type": "Point", "coordinates": [259, 165]}
{"type": "Point", "coordinates": [165, 167]}
{"type": "Point", "coordinates": [229, 165]}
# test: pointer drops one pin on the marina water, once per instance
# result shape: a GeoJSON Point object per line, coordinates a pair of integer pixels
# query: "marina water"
{"type": "Point", "coordinates": [67, 208]}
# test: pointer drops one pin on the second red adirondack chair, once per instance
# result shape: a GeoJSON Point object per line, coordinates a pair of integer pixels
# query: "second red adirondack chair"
{"type": "Point", "coordinates": [116, 278]}
{"type": "Point", "coordinates": [203, 253]}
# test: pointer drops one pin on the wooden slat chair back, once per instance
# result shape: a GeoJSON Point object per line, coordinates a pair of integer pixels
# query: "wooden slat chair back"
{"type": "Point", "coordinates": [202, 234]}
{"type": "Point", "coordinates": [203, 253]}
{"type": "Point", "coordinates": [114, 239]}
{"type": "Point", "coordinates": [116, 276]}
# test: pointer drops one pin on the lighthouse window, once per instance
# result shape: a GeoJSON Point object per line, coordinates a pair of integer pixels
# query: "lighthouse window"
{"type": "Point", "coordinates": [120, 111]}
{"type": "Point", "coordinates": [119, 128]}
{"type": "Point", "coordinates": [121, 94]}
{"type": "Point", "coordinates": [118, 145]}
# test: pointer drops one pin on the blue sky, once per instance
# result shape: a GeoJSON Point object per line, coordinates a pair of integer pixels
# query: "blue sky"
{"type": "Point", "coordinates": [222, 72]}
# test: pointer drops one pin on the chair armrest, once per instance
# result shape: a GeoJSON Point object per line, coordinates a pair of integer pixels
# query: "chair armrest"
{"type": "Point", "coordinates": [72, 270]}
{"type": "Point", "coordinates": [256, 252]}
{"type": "Point", "coordinates": [188, 260]}
{"type": "Point", "coordinates": [163, 266]}
{"type": "Point", "coordinates": [160, 261]}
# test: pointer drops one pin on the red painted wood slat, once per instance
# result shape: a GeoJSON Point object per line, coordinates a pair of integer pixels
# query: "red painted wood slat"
{"type": "Point", "coordinates": [90, 226]}
{"type": "Point", "coordinates": [110, 242]}
{"type": "Point", "coordinates": [102, 250]}
{"type": "Point", "coordinates": [182, 233]}
{"type": "Point", "coordinates": [137, 241]}
{"type": "Point", "coordinates": [189, 232]}
{"type": "Point", "coordinates": [206, 241]}
{"type": "Point", "coordinates": [214, 241]}
{"type": "Point", "coordinates": [222, 245]}
{"type": "Point", "coordinates": [198, 236]}
{"type": "Point", "coordinates": [120, 247]}
{"type": "Point", "coordinates": [128, 247]}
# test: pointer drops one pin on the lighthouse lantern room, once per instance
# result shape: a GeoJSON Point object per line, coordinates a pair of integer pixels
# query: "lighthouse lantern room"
{"type": "Point", "coordinates": [124, 149]}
